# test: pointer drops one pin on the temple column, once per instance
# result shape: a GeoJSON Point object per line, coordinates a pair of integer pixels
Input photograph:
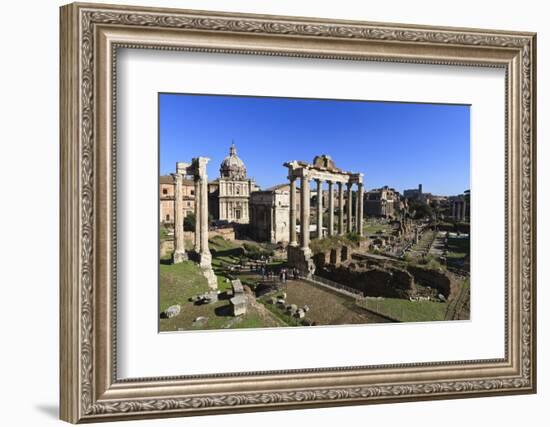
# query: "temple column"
{"type": "Point", "coordinates": [319, 209]}
{"type": "Point", "coordinates": [330, 209]}
{"type": "Point", "coordinates": [293, 241]}
{"type": "Point", "coordinates": [453, 210]}
{"type": "Point", "coordinates": [179, 254]}
{"type": "Point", "coordinates": [350, 207]}
{"type": "Point", "coordinates": [464, 210]}
{"type": "Point", "coordinates": [360, 208]}
{"type": "Point", "coordinates": [197, 216]}
{"type": "Point", "coordinates": [202, 229]}
{"type": "Point", "coordinates": [356, 211]}
{"type": "Point", "coordinates": [340, 208]}
{"type": "Point", "coordinates": [304, 212]}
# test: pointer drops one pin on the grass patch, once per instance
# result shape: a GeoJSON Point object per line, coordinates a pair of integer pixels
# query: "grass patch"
{"type": "Point", "coordinates": [178, 282]}
{"type": "Point", "coordinates": [458, 247]}
{"type": "Point", "coordinates": [407, 311]}
{"type": "Point", "coordinates": [370, 227]}
{"type": "Point", "coordinates": [279, 313]}
{"type": "Point", "coordinates": [163, 234]}
{"type": "Point", "coordinates": [218, 243]}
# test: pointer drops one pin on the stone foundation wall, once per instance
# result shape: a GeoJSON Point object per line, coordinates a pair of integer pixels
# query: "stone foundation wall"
{"type": "Point", "coordinates": [373, 281]}
{"type": "Point", "coordinates": [302, 260]}
{"type": "Point", "coordinates": [433, 278]}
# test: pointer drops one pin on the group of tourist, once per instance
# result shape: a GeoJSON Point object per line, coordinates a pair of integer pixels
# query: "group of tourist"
{"type": "Point", "coordinates": [284, 273]}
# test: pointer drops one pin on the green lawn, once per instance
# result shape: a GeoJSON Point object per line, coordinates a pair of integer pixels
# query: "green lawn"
{"type": "Point", "coordinates": [458, 247]}
{"type": "Point", "coordinates": [408, 311]}
{"type": "Point", "coordinates": [179, 282]}
{"type": "Point", "coordinates": [371, 227]}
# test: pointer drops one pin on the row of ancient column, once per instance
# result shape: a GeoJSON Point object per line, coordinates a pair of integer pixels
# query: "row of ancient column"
{"type": "Point", "coordinates": [305, 197]}
{"type": "Point", "coordinates": [201, 215]}
{"type": "Point", "coordinates": [458, 209]}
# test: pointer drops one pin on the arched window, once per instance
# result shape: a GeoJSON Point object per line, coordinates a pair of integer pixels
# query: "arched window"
{"type": "Point", "coordinates": [164, 191]}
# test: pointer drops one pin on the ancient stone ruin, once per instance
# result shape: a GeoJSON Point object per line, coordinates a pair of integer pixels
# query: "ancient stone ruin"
{"type": "Point", "coordinates": [197, 170]}
{"type": "Point", "coordinates": [321, 170]}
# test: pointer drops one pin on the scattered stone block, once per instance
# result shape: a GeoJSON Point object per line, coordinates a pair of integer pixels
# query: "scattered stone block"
{"type": "Point", "coordinates": [237, 286]}
{"type": "Point", "coordinates": [239, 303]}
{"type": "Point", "coordinates": [300, 314]}
{"type": "Point", "coordinates": [200, 321]}
{"type": "Point", "coordinates": [306, 308]}
{"type": "Point", "coordinates": [172, 311]}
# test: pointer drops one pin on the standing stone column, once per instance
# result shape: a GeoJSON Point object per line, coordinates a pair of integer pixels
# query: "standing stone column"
{"type": "Point", "coordinates": [319, 209]}
{"type": "Point", "coordinates": [179, 254]}
{"type": "Point", "coordinates": [350, 207]}
{"type": "Point", "coordinates": [340, 208]}
{"type": "Point", "coordinates": [206, 256]}
{"type": "Point", "coordinates": [197, 216]}
{"type": "Point", "coordinates": [330, 209]}
{"type": "Point", "coordinates": [360, 208]}
{"type": "Point", "coordinates": [464, 210]}
{"type": "Point", "coordinates": [304, 212]}
{"type": "Point", "coordinates": [293, 241]}
{"type": "Point", "coordinates": [356, 211]}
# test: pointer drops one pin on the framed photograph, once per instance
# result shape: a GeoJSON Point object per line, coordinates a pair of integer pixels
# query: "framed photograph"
{"type": "Point", "coordinates": [266, 212]}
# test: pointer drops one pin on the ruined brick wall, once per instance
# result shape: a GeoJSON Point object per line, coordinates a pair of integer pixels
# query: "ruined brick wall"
{"type": "Point", "coordinates": [372, 281]}
{"type": "Point", "coordinates": [433, 278]}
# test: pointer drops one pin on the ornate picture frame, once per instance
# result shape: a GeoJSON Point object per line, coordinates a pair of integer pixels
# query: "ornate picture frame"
{"type": "Point", "coordinates": [90, 37]}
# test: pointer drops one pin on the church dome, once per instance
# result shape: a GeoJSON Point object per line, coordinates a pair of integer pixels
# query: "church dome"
{"type": "Point", "coordinates": [232, 166]}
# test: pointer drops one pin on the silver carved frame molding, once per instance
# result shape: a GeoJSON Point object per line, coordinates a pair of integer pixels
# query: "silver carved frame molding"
{"type": "Point", "coordinates": [90, 36]}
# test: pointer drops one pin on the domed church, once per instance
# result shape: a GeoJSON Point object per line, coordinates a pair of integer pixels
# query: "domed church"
{"type": "Point", "coordinates": [230, 193]}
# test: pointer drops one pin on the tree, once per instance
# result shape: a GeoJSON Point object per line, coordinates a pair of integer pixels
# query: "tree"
{"type": "Point", "coordinates": [189, 221]}
{"type": "Point", "coordinates": [421, 209]}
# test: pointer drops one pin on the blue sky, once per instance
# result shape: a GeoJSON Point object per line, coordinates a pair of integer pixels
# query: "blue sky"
{"type": "Point", "coordinates": [395, 144]}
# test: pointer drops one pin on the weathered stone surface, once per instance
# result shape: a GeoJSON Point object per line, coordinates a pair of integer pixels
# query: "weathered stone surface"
{"type": "Point", "coordinates": [239, 304]}
{"type": "Point", "coordinates": [306, 308]}
{"type": "Point", "coordinates": [172, 311]}
{"type": "Point", "coordinates": [237, 287]}
{"type": "Point", "coordinates": [200, 321]}
{"type": "Point", "coordinates": [301, 259]}
{"type": "Point", "coordinates": [210, 276]}
{"type": "Point", "coordinates": [433, 278]}
{"type": "Point", "coordinates": [300, 314]}
{"type": "Point", "coordinates": [372, 280]}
